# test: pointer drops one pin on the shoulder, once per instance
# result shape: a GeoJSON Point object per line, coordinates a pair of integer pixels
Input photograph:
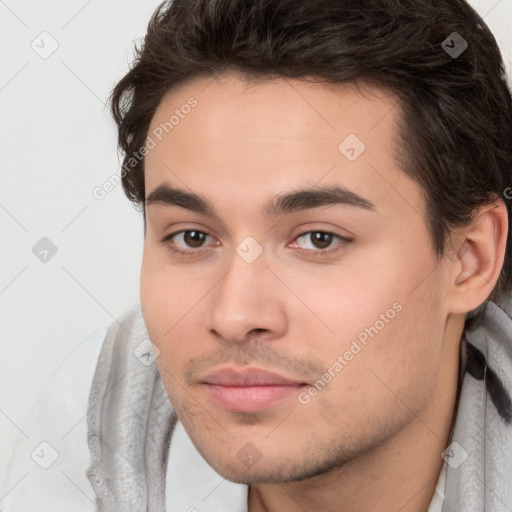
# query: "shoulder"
{"type": "Point", "coordinates": [47, 465]}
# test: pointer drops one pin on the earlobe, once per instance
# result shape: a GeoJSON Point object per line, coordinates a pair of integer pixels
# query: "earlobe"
{"type": "Point", "coordinates": [480, 258]}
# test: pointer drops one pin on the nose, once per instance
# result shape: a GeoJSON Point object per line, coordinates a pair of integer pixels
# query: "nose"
{"type": "Point", "coordinates": [247, 303]}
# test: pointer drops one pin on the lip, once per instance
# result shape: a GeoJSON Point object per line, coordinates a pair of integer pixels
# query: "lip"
{"type": "Point", "coordinates": [248, 377]}
{"type": "Point", "coordinates": [250, 390]}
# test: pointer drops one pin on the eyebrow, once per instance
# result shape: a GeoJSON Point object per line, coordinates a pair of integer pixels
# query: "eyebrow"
{"type": "Point", "coordinates": [299, 200]}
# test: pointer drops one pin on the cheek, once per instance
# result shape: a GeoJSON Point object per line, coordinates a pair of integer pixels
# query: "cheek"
{"type": "Point", "coordinates": [354, 302]}
{"type": "Point", "coordinates": [162, 307]}
{"type": "Point", "coordinates": [381, 383]}
{"type": "Point", "coordinates": [385, 341]}
{"type": "Point", "coordinates": [170, 303]}
{"type": "Point", "coordinates": [167, 295]}
{"type": "Point", "coordinates": [400, 362]}
{"type": "Point", "coordinates": [157, 305]}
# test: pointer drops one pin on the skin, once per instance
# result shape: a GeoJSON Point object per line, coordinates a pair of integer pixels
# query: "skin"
{"type": "Point", "coordinates": [372, 438]}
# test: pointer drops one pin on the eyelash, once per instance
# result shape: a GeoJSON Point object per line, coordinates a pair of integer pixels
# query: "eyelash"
{"type": "Point", "coordinates": [345, 240]}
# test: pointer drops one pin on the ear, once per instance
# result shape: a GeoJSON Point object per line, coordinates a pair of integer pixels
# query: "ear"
{"type": "Point", "coordinates": [474, 271]}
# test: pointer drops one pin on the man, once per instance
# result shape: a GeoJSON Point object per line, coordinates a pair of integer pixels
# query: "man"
{"type": "Point", "coordinates": [326, 274]}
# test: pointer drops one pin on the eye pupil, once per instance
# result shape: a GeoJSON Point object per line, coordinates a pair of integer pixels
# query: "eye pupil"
{"type": "Point", "coordinates": [194, 238]}
{"type": "Point", "coordinates": [324, 239]}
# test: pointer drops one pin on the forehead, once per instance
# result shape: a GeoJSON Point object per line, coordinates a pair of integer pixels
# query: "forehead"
{"type": "Point", "coordinates": [262, 138]}
{"type": "Point", "coordinates": [279, 109]}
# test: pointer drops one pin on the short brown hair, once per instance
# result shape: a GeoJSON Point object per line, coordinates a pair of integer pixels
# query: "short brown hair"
{"type": "Point", "coordinates": [456, 111]}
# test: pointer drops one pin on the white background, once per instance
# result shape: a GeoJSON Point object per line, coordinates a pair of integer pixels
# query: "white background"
{"type": "Point", "coordinates": [57, 144]}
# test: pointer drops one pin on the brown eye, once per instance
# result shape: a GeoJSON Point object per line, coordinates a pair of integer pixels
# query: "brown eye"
{"type": "Point", "coordinates": [320, 239]}
{"type": "Point", "coordinates": [186, 242]}
{"type": "Point", "coordinates": [194, 238]}
{"type": "Point", "coordinates": [321, 242]}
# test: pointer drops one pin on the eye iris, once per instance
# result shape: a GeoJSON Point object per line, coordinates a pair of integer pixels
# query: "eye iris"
{"type": "Point", "coordinates": [194, 238]}
{"type": "Point", "coordinates": [324, 239]}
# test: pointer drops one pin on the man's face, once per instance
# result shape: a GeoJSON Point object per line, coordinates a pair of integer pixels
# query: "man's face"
{"type": "Point", "coordinates": [355, 318]}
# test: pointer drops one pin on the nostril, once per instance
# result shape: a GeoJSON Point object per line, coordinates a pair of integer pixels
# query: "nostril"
{"type": "Point", "coordinates": [256, 332]}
